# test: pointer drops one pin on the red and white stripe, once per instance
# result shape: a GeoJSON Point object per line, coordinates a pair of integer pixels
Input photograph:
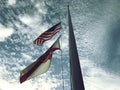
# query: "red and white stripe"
{"type": "Point", "coordinates": [46, 36]}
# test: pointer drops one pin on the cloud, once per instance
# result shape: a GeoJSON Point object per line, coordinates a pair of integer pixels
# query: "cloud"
{"type": "Point", "coordinates": [5, 32]}
{"type": "Point", "coordinates": [41, 9]}
{"type": "Point", "coordinates": [26, 56]}
{"type": "Point", "coordinates": [43, 82]}
{"type": "Point", "coordinates": [102, 83]}
{"type": "Point", "coordinates": [26, 19]}
{"type": "Point", "coordinates": [96, 78]}
{"type": "Point", "coordinates": [11, 2]}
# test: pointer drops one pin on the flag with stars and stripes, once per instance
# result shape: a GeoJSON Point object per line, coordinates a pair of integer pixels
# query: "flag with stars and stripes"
{"type": "Point", "coordinates": [47, 35]}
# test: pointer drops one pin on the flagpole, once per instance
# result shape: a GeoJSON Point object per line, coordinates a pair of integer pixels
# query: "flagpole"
{"type": "Point", "coordinates": [75, 69]}
{"type": "Point", "coordinates": [62, 77]}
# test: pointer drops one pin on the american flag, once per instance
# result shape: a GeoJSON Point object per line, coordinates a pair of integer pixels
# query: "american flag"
{"type": "Point", "coordinates": [47, 35]}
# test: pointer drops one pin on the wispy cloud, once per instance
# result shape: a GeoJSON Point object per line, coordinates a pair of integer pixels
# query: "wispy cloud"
{"type": "Point", "coordinates": [97, 79]}
{"type": "Point", "coordinates": [5, 32]}
{"type": "Point", "coordinates": [45, 83]}
{"type": "Point", "coordinates": [11, 2]}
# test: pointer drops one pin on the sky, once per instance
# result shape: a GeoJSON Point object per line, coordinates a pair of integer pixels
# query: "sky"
{"type": "Point", "coordinates": [96, 27]}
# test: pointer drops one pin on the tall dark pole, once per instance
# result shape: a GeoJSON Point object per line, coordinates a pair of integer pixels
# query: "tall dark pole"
{"type": "Point", "coordinates": [75, 69]}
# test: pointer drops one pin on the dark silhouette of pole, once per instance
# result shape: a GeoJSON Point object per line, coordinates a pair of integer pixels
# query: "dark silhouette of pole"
{"type": "Point", "coordinates": [75, 69]}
